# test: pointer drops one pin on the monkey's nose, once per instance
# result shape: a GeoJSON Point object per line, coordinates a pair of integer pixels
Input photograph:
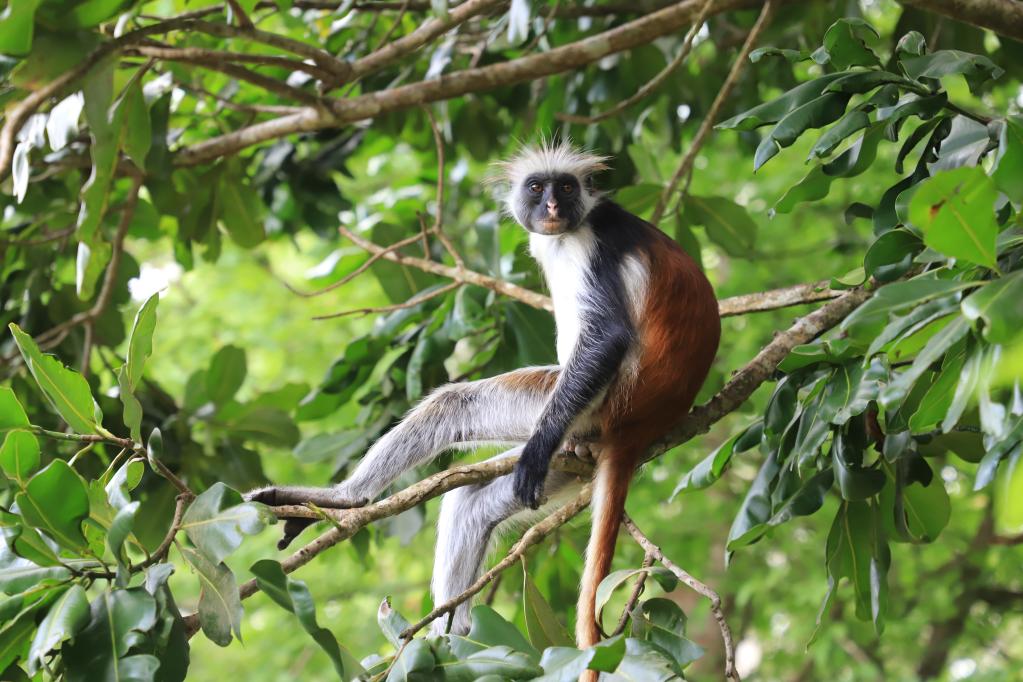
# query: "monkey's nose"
{"type": "Point", "coordinates": [552, 207]}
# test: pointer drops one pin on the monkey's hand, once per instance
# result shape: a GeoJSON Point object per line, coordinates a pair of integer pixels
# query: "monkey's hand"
{"type": "Point", "coordinates": [274, 496]}
{"type": "Point", "coordinates": [530, 474]}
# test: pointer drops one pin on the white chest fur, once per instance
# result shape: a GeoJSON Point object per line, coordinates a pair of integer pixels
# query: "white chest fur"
{"type": "Point", "coordinates": [565, 260]}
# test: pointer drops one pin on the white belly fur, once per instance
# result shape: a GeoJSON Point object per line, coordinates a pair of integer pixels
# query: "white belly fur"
{"type": "Point", "coordinates": [565, 260]}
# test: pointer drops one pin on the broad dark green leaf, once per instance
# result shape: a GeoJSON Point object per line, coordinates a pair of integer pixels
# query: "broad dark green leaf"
{"type": "Point", "coordinates": [218, 520]}
{"type": "Point", "coordinates": [977, 69]}
{"type": "Point", "coordinates": [241, 211]}
{"type": "Point", "coordinates": [749, 523]}
{"type": "Point", "coordinates": [662, 622]}
{"type": "Point", "coordinates": [777, 109]}
{"type": "Point", "coordinates": [497, 663]}
{"type": "Point", "coordinates": [118, 620]}
{"type": "Point", "coordinates": [713, 465]}
{"type": "Point", "coordinates": [56, 501]}
{"type": "Point", "coordinates": [955, 211]}
{"type": "Point", "coordinates": [891, 255]}
{"type": "Point", "coordinates": [542, 624]}
{"type": "Point", "coordinates": [617, 579]}
{"type": "Point", "coordinates": [226, 374]}
{"type": "Point", "coordinates": [415, 662]}
{"type": "Point", "coordinates": [852, 122]}
{"type": "Point", "coordinates": [1000, 305]}
{"type": "Point", "coordinates": [66, 390]}
{"type": "Point", "coordinates": [894, 392]}
{"type": "Point", "coordinates": [65, 619]}
{"type": "Point", "coordinates": [728, 225]}
{"type": "Point", "coordinates": [220, 606]}
{"type": "Point", "coordinates": [294, 596]}
{"type": "Point", "coordinates": [844, 45]}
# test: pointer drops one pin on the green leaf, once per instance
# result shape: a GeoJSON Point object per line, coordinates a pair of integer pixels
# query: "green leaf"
{"type": "Point", "coordinates": [391, 623]}
{"type": "Point", "coordinates": [848, 551]}
{"type": "Point", "coordinates": [1000, 305]}
{"type": "Point", "coordinates": [124, 480]}
{"type": "Point", "coordinates": [749, 523]}
{"type": "Point", "coordinates": [865, 321]}
{"type": "Point", "coordinates": [852, 122]}
{"type": "Point", "coordinates": [66, 390]}
{"type": "Point", "coordinates": [65, 619]}
{"type": "Point", "coordinates": [218, 520]}
{"type": "Point", "coordinates": [267, 425]}
{"type": "Point", "coordinates": [714, 465]}
{"type": "Point", "coordinates": [415, 662]}
{"type": "Point", "coordinates": [98, 90]}
{"type": "Point", "coordinates": [927, 509]}
{"type": "Point", "coordinates": [844, 45]}
{"type": "Point", "coordinates": [294, 596]}
{"type": "Point", "coordinates": [778, 108]}
{"type": "Point", "coordinates": [220, 606]}
{"type": "Point", "coordinates": [955, 211]}
{"type": "Point", "coordinates": [816, 113]}
{"type": "Point", "coordinates": [542, 624]}
{"type": "Point", "coordinates": [975, 68]}
{"type": "Point", "coordinates": [1008, 172]}
{"type": "Point", "coordinates": [136, 132]}
{"type": "Point", "coordinates": [140, 341]}
{"type": "Point", "coordinates": [226, 373]}
{"type": "Point", "coordinates": [936, 402]}
{"type": "Point", "coordinates": [132, 410]}
{"type": "Point", "coordinates": [56, 501]}
{"type": "Point", "coordinates": [1008, 495]}
{"type": "Point", "coordinates": [12, 415]}
{"type": "Point", "coordinates": [727, 223]}
{"type": "Point", "coordinates": [791, 55]}
{"type": "Point", "coordinates": [19, 455]}
{"type": "Point", "coordinates": [894, 392]}
{"type": "Point", "coordinates": [662, 622]}
{"type": "Point", "coordinates": [118, 620]}
{"type": "Point", "coordinates": [891, 255]}
{"type": "Point", "coordinates": [495, 663]}
{"type": "Point", "coordinates": [16, 27]}
{"type": "Point", "coordinates": [241, 211]}
{"type": "Point", "coordinates": [855, 481]}
{"type": "Point", "coordinates": [616, 579]}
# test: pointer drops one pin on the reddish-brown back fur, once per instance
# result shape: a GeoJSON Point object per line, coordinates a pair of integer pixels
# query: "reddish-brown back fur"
{"type": "Point", "coordinates": [679, 331]}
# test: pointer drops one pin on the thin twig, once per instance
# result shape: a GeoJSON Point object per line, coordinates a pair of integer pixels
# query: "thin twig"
{"type": "Point", "coordinates": [438, 223]}
{"type": "Point", "coordinates": [197, 55]}
{"type": "Point", "coordinates": [637, 591]}
{"type": "Point", "coordinates": [686, 166]}
{"type": "Point", "coordinates": [161, 552]}
{"type": "Point", "coordinates": [654, 83]}
{"type": "Point", "coordinates": [394, 26]}
{"type": "Point", "coordinates": [239, 15]}
{"type": "Point", "coordinates": [464, 276]}
{"type": "Point", "coordinates": [411, 303]}
{"type": "Point", "coordinates": [715, 601]}
{"type": "Point", "coordinates": [531, 537]}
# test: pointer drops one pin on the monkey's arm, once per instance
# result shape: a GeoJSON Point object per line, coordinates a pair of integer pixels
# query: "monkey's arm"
{"type": "Point", "coordinates": [604, 340]}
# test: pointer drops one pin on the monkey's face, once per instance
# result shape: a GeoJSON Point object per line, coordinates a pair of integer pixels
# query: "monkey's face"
{"type": "Point", "coordinates": [550, 204]}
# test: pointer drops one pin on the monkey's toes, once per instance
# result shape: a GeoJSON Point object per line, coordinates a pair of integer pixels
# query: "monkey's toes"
{"type": "Point", "coordinates": [292, 528]}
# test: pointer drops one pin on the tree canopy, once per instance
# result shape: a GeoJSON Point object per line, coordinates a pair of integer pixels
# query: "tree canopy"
{"type": "Point", "coordinates": [240, 239]}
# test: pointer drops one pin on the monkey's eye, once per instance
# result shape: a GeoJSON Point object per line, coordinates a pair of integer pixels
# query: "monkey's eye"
{"type": "Point", "coordinates": [567, 188]}
{"type": "Point", "coordinates": [535, 187]}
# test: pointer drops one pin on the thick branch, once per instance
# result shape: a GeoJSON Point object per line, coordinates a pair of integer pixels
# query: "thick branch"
{"type": "Point", "coordinates": [715, 601]}
{"type": "Point", "coordinates": [1001, 16]}
{"type": "Point", "coordinates": [580, 53]}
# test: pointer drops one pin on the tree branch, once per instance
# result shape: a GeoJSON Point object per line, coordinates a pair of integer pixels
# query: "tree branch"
{"type": "Point", "coordinates": [531, 537]}
{"type": "Point", "coordinates": [653, 83]}
{"type": "Point", "coordinates": [531, 67]}
{"type": "Point", "coordinates": [347, 522]}
{"type": "Point", "coordinates": [715, 601]}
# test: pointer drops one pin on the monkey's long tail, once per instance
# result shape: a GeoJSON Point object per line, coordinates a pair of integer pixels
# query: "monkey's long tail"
{"type": "Point", "coordinates": [614, 473]}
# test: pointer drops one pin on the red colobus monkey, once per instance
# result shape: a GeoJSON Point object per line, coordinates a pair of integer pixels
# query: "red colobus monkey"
{"type": "Point", "coordinates": [637, 330]}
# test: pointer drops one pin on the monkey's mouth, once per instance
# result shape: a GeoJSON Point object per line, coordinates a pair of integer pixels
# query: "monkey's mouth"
{"type": "Point", "coordinates": [551, 225]}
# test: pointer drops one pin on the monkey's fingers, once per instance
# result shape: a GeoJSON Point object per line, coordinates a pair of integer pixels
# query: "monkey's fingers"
{"type": "Point", "coordinates": [292, 528]}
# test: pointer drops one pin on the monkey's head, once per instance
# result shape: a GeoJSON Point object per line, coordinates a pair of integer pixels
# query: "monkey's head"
{"type": "Point", "coordinates": [550, 187]}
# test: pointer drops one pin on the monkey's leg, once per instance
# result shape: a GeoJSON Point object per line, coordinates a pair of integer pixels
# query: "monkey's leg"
{"type": "Point", "coordinates": [500, 409]}
{"type": "Point", "coordinates": [468, 518]}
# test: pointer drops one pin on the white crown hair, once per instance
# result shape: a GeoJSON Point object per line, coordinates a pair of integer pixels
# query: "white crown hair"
{"type": "Point", "coordinates": [549, 157]}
